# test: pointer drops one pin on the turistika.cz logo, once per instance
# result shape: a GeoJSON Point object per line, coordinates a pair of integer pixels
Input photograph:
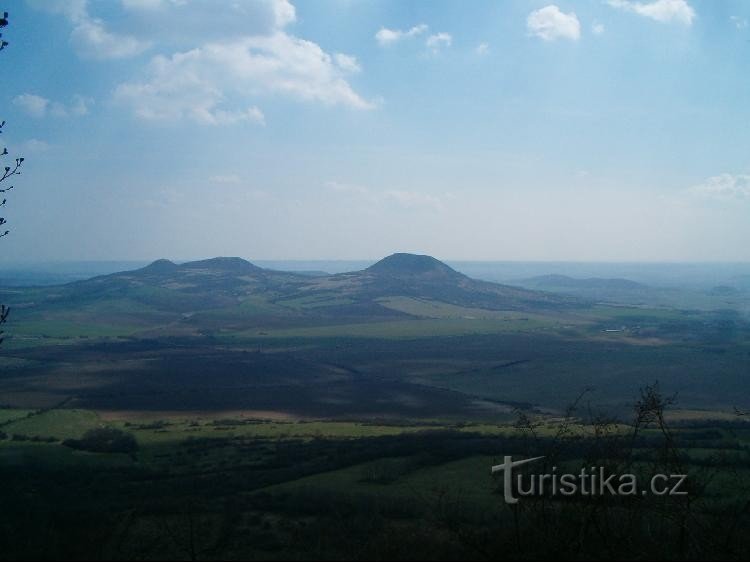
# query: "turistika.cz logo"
{"type": "Point", "coordinates": [591, 481]}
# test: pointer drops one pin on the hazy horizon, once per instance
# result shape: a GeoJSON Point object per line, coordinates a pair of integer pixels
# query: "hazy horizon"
{"type": "Point", "coordinates": [664, 274]}
{"type": "Point", "coordinates": [178, 260]}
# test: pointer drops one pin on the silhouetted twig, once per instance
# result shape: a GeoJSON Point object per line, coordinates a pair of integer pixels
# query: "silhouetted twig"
{"type": "Point", "coordinates": [7, 173]}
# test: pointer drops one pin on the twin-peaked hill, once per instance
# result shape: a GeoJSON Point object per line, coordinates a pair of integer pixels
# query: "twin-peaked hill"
{"type": "Point", "coordinates": [229, 293]}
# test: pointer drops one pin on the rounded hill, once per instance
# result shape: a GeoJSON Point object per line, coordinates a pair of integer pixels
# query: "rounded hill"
{"type": "Point", "coordinates": [410, 265]}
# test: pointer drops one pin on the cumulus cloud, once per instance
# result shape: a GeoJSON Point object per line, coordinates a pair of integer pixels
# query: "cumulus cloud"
{"type": "Point", "coordinates": [79, 106]}
{"type": "Point", "coordinates": [550, 24]}
{"type": "Point", "coordinates": [39, 106]}
{"type": "Point", "coordinates": [597, 28]}
{"type": "Point", "coordinates": [214, 63]}
{"type": "Point", "coordinates": [386, 36]}
{"type": "Point", "coordinates": [244, 53]}
{"type": "Point", "coordinates": [664, 11]}
{"type": "Point", "coordinates": [347, 63]}
{"type": "Point", "coordinates": [281, 12]}
{"type": "Point", "coordinates": [33, 105]}
{"type": "Point", "coordinates": [199, 84]}
{"type": "Point", "coordinates": [183, 24]}
{"type": "Point", "coordinates": [724, 186]}
{"type": "Point", "coordinates": [178, 24]}
{"type": "Point", "coordinates": [438, 40]}
{"type": "Point", "coordinates": [90, 36]}
{"type": "Point", "coordinates": [92, 40]}
{"type": "Point", "coordinates": [482, 49]}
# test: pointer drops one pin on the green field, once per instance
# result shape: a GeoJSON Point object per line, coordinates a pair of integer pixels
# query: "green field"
{"type": "Point", "coordinates": [276, 482]}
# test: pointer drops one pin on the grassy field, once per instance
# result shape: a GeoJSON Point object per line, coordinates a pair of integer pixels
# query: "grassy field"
{"type": "Point", "coordinates": [8, 415]}
{"type": "Point", "coordinates": [415, 367]}
{"type": "Point", "coordinates": [277, 483]}
{"type": "Point", "coordinates": [58, 423]}
{"type": "Point", "coordinates": [421, 328]}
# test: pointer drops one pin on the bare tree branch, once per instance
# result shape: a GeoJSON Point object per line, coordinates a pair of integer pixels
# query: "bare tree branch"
{"type": "Point", "coordinates": [8, 172]}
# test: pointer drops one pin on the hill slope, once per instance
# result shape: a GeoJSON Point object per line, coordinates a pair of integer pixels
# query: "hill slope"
{"type": "Point", "coordinates": [425, 277]}
{"type": "Point", "coordinates": [413, 266]}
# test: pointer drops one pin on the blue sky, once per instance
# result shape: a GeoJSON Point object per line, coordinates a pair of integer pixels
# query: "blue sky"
{"type": "Point", "coordinates": [605, 130]}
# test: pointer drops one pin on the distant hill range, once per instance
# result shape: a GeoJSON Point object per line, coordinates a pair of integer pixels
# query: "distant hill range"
{"type": "Point", "coordinates": [554, 282]}
{"type": "Point", "coordinates": [232, 292]}
{"type": "Point", "coordinates": [631, 293]}
{"type": "Point", "coordinates": [223, 281]}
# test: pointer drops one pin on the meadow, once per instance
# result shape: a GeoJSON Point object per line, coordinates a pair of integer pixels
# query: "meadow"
{"type": "Point", "coordinates": [203, 485]}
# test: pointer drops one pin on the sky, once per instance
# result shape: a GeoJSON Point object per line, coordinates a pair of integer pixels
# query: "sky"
{"type": "Point", "coordinates": [589, 130]}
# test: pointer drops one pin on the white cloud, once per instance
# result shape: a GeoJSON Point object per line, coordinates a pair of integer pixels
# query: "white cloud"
{"type": "Point", "coordinates": [724, 186]}
{"type": "Point", "coordinates": [739, 22]}
{"type": "Point", "coordinates": [549, 23]}
{"type": "Point", "coordinates": [200, 83]}
{"type": "Point", "coordinates": [35, 145]}
{"type": "Point", "coordinates": [214, 62]}
{"type": "Point", "coordinates": [38, 106]}
{"type": "Point", "coordinates": [34, 105]}
{"type": "Point", "coordinates": [284, 12]}
{"type": "Point", "coordinates": [184, 24]}
{"type": "Point", "coordinates": [386, 36]}
{"type": "Point", "coordinates": [438, 40]}
{"type": "Point", "coordinates": [78, 106]}
{"type": "Point", "coordinates": [71, 9]}
{"type": "Point", "coordinates": [177, 24]}
{"type": "Point", "coordinates": [91, 39]}
{"type": "Point", "coordinates": [597, 28]}
{"type": "Point", "coordinates": [146, 4]}
{"type": "Point", "coordinates": [482, 49]}
{"type": "Point", "coordinates": [347, 63]}
{"type": "Point", "coordinates": [224, 117]}
{"type": "Point", "coordinates": [664, 11]}
{"type": "Point", "coordinates": [90, 36]}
